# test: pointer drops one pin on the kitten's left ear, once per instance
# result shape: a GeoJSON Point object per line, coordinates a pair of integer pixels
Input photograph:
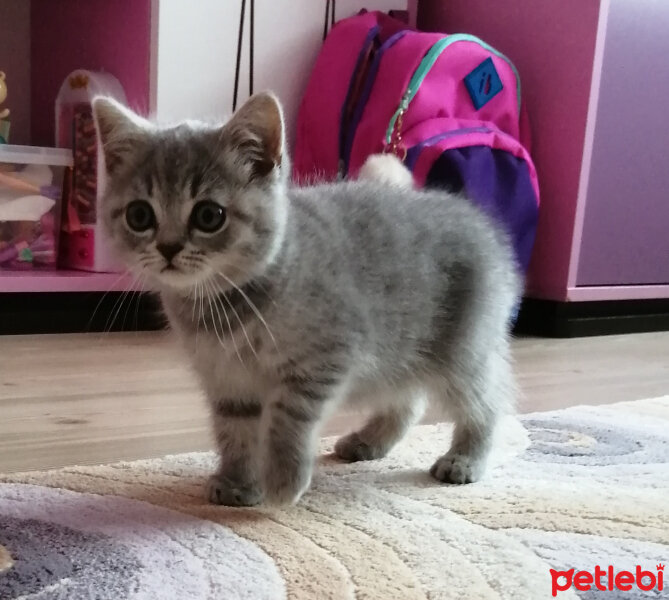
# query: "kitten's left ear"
{"type": "Point", "coordinates": [256, 134]}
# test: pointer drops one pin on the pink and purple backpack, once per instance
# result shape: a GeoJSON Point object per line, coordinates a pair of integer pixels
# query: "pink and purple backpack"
{"type": "Point", "coordinates": [448, 105]}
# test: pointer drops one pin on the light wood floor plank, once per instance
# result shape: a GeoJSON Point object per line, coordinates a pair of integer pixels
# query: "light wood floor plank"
{"type": "Point", "coordinates": [84, 399]}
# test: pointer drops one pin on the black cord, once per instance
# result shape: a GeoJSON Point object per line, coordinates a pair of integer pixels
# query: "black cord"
{"type": "Point", "coordinates": [239, 55]}
{"type": "Point", "coordinates": [325, 23]}
{"type": "Point", "coordinates": [330, 7]}
{"type": "Point", "coordinates": [251, 44]}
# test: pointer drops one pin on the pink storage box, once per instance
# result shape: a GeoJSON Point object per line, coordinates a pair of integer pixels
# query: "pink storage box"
{"type": "Point", "coordinates": [31, 188]}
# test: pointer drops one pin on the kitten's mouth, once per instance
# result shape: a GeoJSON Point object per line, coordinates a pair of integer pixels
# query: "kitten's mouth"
{"type": "Point", "coordinates": [169, 267]}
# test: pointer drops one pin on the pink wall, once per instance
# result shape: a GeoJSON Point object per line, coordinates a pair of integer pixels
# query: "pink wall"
{"type": "Point", "coordinates": [89, 34]}
{"type": "Point", "coordinates": [15, 62]}
{"type": "Point", "coordinates": [552, 43]}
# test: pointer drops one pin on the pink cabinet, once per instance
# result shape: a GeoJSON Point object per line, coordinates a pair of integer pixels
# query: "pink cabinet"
{"type": "Point", "coordinates": [596, 84]}
{"type": "Point", "coordinates": [175, 60]}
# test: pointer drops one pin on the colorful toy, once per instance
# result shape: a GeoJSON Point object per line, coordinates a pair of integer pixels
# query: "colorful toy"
{"type": "Point", "coordinates": [30, 192]}
{"type": "Point", "coordinates": [50, 191]}
{"type": "Point", "coordinates": [83, 243]}
{"type": "Point", "coordinates": [4, 113]}
{"type": "Point", "coordinates": [85, 159]}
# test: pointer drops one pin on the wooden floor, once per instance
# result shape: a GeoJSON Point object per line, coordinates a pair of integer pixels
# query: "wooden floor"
{"type": "Point", "coordinates": [82, 399]}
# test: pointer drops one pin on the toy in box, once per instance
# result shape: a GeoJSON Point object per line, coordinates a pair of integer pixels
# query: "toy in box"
{"type": "Point", "coordinates": [31, 186]}
{"type": "Point", "coordinates": [83, 243]}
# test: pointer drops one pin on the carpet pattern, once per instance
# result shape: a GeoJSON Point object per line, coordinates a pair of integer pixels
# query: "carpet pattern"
{"type": "Point", "coordinates": [577, 488]}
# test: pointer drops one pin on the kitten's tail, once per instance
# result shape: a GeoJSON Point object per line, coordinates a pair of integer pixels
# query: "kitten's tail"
{"type": "Point", "coordinates": [388, 169]}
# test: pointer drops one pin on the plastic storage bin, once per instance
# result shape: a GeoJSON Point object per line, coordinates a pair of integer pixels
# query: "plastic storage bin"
{"type": "Point", "coordinates": [31, 186]}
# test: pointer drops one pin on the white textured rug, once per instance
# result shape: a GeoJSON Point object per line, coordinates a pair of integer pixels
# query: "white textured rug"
{"type": "Point", "coordinates": [575, 488]}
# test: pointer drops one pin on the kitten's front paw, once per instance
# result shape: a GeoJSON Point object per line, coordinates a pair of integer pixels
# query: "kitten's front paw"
{"type": "Point", "coordinates": [223, 490]}
{"type": "Point", "coordinates": [352, 448]}
{"type": "Point", "coordinates": [458, 468]}
{"type": "Point", "coordinates": [284, 488]}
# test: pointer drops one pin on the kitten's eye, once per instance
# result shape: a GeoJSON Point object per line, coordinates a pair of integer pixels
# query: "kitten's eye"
{"type": "Point", "coordinates": [139, 216]}
{"type": "Point", "coordinates": [207, 216]}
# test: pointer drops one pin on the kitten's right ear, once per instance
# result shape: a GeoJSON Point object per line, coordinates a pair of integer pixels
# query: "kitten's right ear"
{"type": "Point", "coordinates": [120, 131]}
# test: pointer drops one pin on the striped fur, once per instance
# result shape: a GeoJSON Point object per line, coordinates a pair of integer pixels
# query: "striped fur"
{"type": "Point", "coordinates": [368, 292]}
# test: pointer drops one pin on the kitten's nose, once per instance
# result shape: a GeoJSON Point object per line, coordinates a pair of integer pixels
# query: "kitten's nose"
{"type": "Point", "coordinates": [169, 251]}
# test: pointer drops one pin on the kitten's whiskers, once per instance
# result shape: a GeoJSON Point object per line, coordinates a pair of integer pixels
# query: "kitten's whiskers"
{"type": "Point", "coordinates": [197, 322]}
{"type": "Point", "coordinates": [97, 306]}
{"type": "Point", "coordinates": [204, 310]}
{"type": "Point", "coordinates": [142, 282]}
{"type": "Point", "coordinates": [227, 320]}
{"type": "Point", "coordinates": [218, 313]}
{"type": "Point", "coordinates": [241, 324]}
{"type": "Point", "coordinates": [252, 306]}
{"type": "Point", "coordinates": [253, 279]}
{"type": "Point", "coordinates": [194, 296]}
{"type": "Point", "coordinates": [118, 305]}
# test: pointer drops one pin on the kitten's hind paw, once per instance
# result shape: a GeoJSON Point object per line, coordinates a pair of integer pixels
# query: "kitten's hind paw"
{"type": "Point", "coordinates": [457, 468]}
{"type": "Point", "coordinates": [351, 447]}
{"type": "Point", "coordinates": [222, 490]}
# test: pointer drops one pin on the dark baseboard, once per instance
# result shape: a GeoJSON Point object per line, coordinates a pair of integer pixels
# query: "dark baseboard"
{"type": "Point", "coordinates": [78, 312]}
{"type": "Point", "coordinates": [547, 318]}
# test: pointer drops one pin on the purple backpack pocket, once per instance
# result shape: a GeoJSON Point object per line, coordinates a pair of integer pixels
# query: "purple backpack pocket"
{"type": "Point", "coordinates": [491, 168]}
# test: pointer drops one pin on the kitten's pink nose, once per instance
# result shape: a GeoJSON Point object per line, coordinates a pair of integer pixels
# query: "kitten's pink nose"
{"type": "Point", "coordinates": [169, 251]}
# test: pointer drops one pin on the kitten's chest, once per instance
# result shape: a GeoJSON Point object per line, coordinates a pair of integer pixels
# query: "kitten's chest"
{"type": "Point", "coordinates": [233, 320]}
{"type": "Point", "coordinates": [229, 368]}
{"type": "Point", "coordinates": [229, 354]}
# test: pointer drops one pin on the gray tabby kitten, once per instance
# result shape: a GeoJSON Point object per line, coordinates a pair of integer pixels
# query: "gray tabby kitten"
{"type": "Point", "coordinates": [293, 301]}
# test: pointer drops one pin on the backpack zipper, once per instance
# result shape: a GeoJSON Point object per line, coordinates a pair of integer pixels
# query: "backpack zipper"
{"type": "Point", "coordinates": [426, 65]}
{"type": "Point", "coordinates": [348, 126]}
{"type": "Point", "coordinates": [366, 54]}
{"type": "Point", "coordinates": [415, 150]}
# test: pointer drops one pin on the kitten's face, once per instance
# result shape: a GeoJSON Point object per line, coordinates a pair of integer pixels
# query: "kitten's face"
{"type": "Point", "coordinates": [192, 205]}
